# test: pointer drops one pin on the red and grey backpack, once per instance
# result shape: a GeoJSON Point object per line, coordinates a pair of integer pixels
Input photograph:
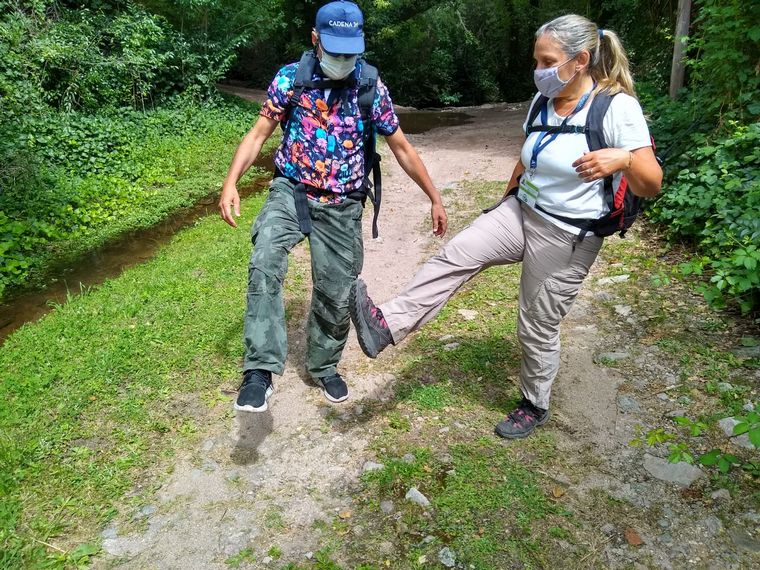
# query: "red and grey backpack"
{"type": "Point", "coordinates": [623, 205]}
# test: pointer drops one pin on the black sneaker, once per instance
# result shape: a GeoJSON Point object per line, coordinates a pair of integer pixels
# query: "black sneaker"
{"type": "Point", "coordinates": [254, 391]}
{"type": "Point", "coordinates": [371, 328]}
{"type": "Point", "coordinates": [522, 421]}
{"type": "Point", "coordinates": [333, 387]}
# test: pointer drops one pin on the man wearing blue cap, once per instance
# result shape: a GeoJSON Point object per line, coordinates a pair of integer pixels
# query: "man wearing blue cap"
{"type": "Point", "coordinates": [330, 105]}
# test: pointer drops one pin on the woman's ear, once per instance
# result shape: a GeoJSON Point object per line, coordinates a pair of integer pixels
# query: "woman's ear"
{"type": "Point", "coordinates": [583, 60]}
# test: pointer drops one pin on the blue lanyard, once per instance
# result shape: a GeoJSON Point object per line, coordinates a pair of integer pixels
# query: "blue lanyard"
{"type": "Point", "coordinates": [540, 144]}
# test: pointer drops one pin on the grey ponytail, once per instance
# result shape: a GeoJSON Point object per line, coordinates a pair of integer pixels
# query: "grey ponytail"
{"type": "Point", "coordinates": [608, 64]}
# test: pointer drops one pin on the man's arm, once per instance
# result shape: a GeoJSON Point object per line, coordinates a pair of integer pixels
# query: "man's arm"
{"type": "Point", "coordinates": [245, 155]}
{"type": "Point", "coordinates": [410, 161]}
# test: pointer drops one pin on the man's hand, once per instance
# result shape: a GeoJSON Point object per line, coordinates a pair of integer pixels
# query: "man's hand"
{"type": "Point", "coordinates": [229, 202]}
{"type": "Point", "coordinates": [440, 220]}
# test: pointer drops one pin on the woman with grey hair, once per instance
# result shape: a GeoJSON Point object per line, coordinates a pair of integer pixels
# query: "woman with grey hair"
{"type": "Point", "coordinates": [565, 194]}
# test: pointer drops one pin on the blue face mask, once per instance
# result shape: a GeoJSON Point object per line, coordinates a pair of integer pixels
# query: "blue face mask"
{"type": "Point", "coordinates": [548, 81]}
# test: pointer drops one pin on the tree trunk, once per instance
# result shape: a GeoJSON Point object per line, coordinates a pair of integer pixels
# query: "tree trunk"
{"type": "Point", "coordinates": [682, 30]}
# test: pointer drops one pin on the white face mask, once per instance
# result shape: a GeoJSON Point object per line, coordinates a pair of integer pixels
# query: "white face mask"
{"type": "Point", "coordinates": [337, 66]}
{"type": "Point", "coordinates": [548, 81]}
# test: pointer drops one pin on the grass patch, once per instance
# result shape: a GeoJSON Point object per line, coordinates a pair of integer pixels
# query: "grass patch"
{"type": "Point", "coordinates": [111, 380]}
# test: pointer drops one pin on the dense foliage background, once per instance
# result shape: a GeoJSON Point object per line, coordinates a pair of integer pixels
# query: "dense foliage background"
{"type": "Point", "coordinates": [105, 103]}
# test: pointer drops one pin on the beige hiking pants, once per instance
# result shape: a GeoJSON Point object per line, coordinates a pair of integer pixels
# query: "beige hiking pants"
{"type": "Point", "coordinates": [555, 264]}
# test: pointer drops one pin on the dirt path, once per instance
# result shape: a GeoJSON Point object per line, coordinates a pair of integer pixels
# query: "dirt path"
{"type": "Point", "coordinates": [263, 479]}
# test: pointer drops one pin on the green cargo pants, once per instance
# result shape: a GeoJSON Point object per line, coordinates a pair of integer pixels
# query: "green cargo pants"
{"type": "Point", "coordinates": [337, 255]}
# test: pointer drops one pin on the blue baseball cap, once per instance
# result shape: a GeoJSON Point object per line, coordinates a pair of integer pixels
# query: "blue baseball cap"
{"type": "Point", "coordinates": [340, 26]}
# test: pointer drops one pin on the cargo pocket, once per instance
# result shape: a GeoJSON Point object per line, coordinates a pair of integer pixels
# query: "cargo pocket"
{"type": "Point", "coordinates": [553, 300]}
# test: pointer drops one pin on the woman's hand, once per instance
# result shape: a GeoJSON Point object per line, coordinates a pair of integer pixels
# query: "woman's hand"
{"type": "Point", "coordinates": [601, 163]}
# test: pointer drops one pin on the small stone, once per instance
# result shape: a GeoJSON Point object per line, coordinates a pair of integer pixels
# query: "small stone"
{"type": "Point", "coordinates": [409, 458]}
{"type": "Point", "coordinates": [468, 314]}
{"type": "Point", "coordinates": [358, 530]}
{"type": "Point", "coordinates": [721, 495]}
{"type": "Point", "coordinates": [110, 532]}
{"type": "Point", "coordinates": [728, 425]}
{"type": "Point", "coordinates": [748, 407]}
{"type": "Point", "coordinates": [208, 445]}
{"type": "Point", "coordinates": [614, 356]}
{"type": "Point", "coordinates": [743, 540]}
{"type": "Point", "coordinates": [387, 507]}
{"type": "Point", "coordinates": [713, 525]}
{"type": "Point", "coordinates": [413, 495]}
{"type": "Point", "coordinates": [209, 465]}
{"type": "Point", "coordinates": [746, 352]}
{"type": "Point", "coordinates": [613, 279]}
{"type": "Point", "coordinates": [632, 537]}
{"type": "Point", "coordinates": [428, 539]}
{"type": "Point", "coordinates": [446, 557]}
{"type": "Point", "coordinates": [684, 400]}
{"type": "Point", "coordinates": [146, 511]}
{"type": "Point", "coordinates": [458, 425]}
{"type": "Point", "coordinates": [444, 430]}
{"type": "Point", "coordinates": [676, 414]}
{"type": "Point", "coordinates": [451, 346]}
{"type": "Point", "coordinates": [725, 387]}
{"type": "Point", "coordinates": [309, 555]}
{"type": "Point", "coordinates": [680, 473]}
{"type": "Point", "coordinates": [608, 529]}
{"type": "Point", "coordinates": [604, 296]}
{"type": "Point", "coordinates": [445, 337]}
{"type": "Point", "coordinates": [663, 396]}
{"type": "Point", "coordinates": [665, 538]}
{"type": "Point", "coordinates": [664, 523]}
{"type": "Point", "coordinates": [266, 560]}
{"type": "Point", "coordinates": [386, 548]}
{"type": "Point", "coordinates": [623, 310]}
{"type": "Point", "coordinates": [372, 466]}
{"type": "Point", "coordinates": [627, 405]}
{"type": "Point", "coordinates": [358, 410]}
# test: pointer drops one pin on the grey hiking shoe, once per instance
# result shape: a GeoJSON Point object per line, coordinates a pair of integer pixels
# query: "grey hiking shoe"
{"type": "Point", "coordinates": [254, 391]}
{"type": "Point", "coordinates": [333, 387]}
{"type": "Point", "coordinates": [371, 328]}
{"type": "Point", "coordinates": [522, 421]}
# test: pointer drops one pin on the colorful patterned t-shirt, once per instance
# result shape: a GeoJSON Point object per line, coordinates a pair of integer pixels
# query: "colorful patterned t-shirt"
{"type": "Point", "coordinates": [323, 145]}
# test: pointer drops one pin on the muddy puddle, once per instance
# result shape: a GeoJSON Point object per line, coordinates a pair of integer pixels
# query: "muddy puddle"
{"type": "Point", "coordinates": [417, 122]}
{"type": "Point", "coordinates": [139, 246]}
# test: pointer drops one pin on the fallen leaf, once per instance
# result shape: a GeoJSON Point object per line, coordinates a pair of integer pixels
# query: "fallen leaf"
{"type": "Point", "coordinates": [557, 491]}
{"type": "Point", "coordinates": [422, 559]}
{"type": "Point", "coordinates": [345, 514]}
{"type": "Point", "coordinates": [632, 537]}
{"type": "Point", "coordinates": [427, 468]}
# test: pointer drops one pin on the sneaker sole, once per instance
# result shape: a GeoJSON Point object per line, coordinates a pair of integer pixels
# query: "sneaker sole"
{"type": "Point", "coordinates": [262, 408]}
{"type": "Point", "coordinates": [328, 396]}
{"type": "Point", "coordinates": [521, 435]}
{"type": "Point", "coordinates": [358, 318]}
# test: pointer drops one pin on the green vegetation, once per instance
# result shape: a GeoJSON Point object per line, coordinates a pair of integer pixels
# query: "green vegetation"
{"type": "Point", "coordinates": [116, 377]}
{"type": "Point", "coordinates": [710, 135]}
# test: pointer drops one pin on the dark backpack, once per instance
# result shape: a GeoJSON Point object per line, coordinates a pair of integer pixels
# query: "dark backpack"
{"type": "Point", "coordinates": [371, 188]}
{"type": "Point", "coordinates": [623, 204]}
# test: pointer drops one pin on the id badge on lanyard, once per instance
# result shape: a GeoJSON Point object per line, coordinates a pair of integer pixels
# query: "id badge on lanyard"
{"type": "Point", "coordinates": [528, 191]}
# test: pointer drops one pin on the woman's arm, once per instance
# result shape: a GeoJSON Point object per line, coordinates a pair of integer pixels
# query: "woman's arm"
{"type": "Point", "coordinates": [640, 167]}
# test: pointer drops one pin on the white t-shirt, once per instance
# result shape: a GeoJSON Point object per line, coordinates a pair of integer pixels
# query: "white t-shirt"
{"type": "Point", "coordinates": [561, 190]}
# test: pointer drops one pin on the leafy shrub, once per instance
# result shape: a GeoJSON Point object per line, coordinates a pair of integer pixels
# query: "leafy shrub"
{"type": "Point", "coordinates": [69, 175]}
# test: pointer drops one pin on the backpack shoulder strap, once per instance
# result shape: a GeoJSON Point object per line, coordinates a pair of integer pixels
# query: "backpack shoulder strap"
{"type": "Point", "coordinates": [534, 111]}
{"type": "Point", "coordinates": [302, 80]}
{"type": "Point", "coordinates": [595, 120]}
{"type": "Point", "coordinates": [367, 89]}
{"type": "Point", "coordinates": [595, 137]}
